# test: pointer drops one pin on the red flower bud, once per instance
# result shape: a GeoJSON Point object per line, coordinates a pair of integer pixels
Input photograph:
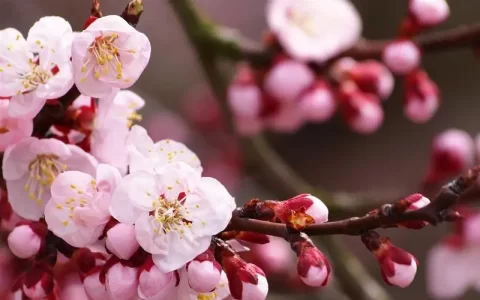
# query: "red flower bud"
{"type": "Point", "coordinates": [246, 281]}
{"type": "Point", "coordinates": [422, 97]}
{"type": "Point", "coordinates": [372, 77]}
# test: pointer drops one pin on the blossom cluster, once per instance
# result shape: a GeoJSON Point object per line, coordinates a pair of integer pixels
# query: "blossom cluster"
{"type": "Point", "coordinates": [301, 85]}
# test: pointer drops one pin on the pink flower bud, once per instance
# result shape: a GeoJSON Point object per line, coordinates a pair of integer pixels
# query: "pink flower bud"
{"type": "Point", "coordinates": [372, 77]}
{"type": "Point", "coordinates": [313, 206]}
{"type": "Point", "coordinates": [246, 281]}
{"type": "Point", "coordinates": [452, 151]}
{"type": "Point", "coordinates": [414, 202]}
{"type": "Point", "coordinates": [203, 272]}
{"type": "Point", "coordinates": [121, 240]}
{"type": "Point", "coordinates": [38, 283]}
{"type": "Point", "coordinates": [24, 242]}
{"type": "Point", "coordinates": [244, 96]}
{"type": "Point", "coordinates": [422, 97]}
{"type": "Point", "coordinates": [401, 56]}
{"type": "Point", "coordinates": [339, 70]}
{"type": "Point", "coordinates": [94, 288]}
{"type": "Point", "coordinates": [313, 267]}
{"type": "Point", "coordinates": [429, 13]}
{"type": "Point", "coordinates": [249, 126]}
{"type": "Point", "coordinates": [318, 103]}
{"type": "Point", "coordinates": [155, 284]}
{"type": "Point", "coordinates": [287, 79]}
{"type": "Point", "coordinates": [471, 223]}
{"type": "Point", "coordinates": [361, 111]}
{"type": "Point", "coordinates": [287, 119]}
{"type": "Point", "coordinates": [121, 282]}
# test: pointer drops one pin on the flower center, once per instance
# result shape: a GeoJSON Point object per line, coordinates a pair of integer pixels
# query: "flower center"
{"type": "Point", "coordinates": [169, 216]}
{"type": "Point", "coordinates": [82, 200]}
{"type": "Point", "coordinates": [132, 117]}
{"type": "Point", "coordinates": [36, 77]}
{"type": "Point", "coordinates": [209, 296]}
{"type": "Point", "coordinates": [106, 55]}
{"type": "Point", "coordinates": [302, 20]}
{"type": "Point", "coordinates": [43, 171]}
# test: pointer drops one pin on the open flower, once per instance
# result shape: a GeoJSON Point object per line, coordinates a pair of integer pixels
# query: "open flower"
{"type": "Point", "coordinates": [175, 212]}
{"type": "Point", "coordinates": [12, 130]}
{"type": "Point", "coordinates": [35, 69]}
{"type": "Point", "coordinates": [144, 155]}
{"type": "Point", "coordinates": [314, 30]}
{"type": "Point", "coordinates": [31, 166]}
{"type": "Point", "coordinates": [78, 209]}
{"type": "Point", "coordinates": [108, 54]}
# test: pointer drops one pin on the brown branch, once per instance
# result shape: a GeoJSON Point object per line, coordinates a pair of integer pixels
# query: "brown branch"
{"type": "Point", "coordinates": [234, 46]}
{"type": "Point", "coordinates": [386, 216]}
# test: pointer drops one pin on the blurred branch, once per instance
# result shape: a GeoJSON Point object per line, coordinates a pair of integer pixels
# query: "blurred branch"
{"type": "Point", "coordinates": [200, 33]}
{"type": "Point", "coordinates": [231, 44]}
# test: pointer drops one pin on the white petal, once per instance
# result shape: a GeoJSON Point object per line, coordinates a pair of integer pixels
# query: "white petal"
{"type": "Point", "coordinates": [51, 146]}
{"type": "Point", "coordinates": [67, 185]}
{"type": "Point", "coordinates": [81, 161]}
{"type": "Point", "coordinates": [17, 158]}
{"type": "Point", "coordinates": [110, 23]}
{"type": "Point", "coordinates": [26, 105]}
{"type": "Point", "coordinates": [147, 238]}
{"type": "Point", "coordinates": [211, 207]}
{"type": "Point", "coordinates": [19, 199]}
{"type": "Point", "coordinates": [108, 178]}
{"type": "Point", "coordinates": [191, 247]}
{"type": "Point", "coordinates": [59, 84]}
{"type": "Point", "coordinates": [121, 206]}
{"type": "Point", "coordinates": [168, 151]}
{"type": "Point", "coordinates": [108, 144]}
{"type": "Point", "coordinates": [143, 190]}
{"type": "Point", "coordinates": [176, 178]}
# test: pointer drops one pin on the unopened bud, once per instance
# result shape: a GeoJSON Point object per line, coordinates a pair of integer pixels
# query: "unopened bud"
{"type": "Point", "coordinates": [313, 206]}
{"type": "Point", "coordinates": [318, 103]}
{"type": "Point", "coordinates": [203, 272]}
{"type": "Point", "coordinates": [339, 70]}
{"type": "Point", "coordinates": [452, 152]}
{"type": "Point", "coordinates": [38, 283]}
{"type": "Point", "coordinates": [372, 77]}
{"type": "Point", "coordinates": [422, 97]}
{"type": "Point", "coordinates": [244, 96]}
{"type": "Point", "coordinates": [26, 240]}
{"type": "Point", "coordinates": [155, 284]}
{"type": "Point", "coordinates": [288, 118]}
{"type": "Point", "coordinates": [121, 282]}
{"type": "Point", "coordinates": [427, 13]}
{"type": "Point", "coordinates": [94, 288]}
{"type": "Point", "coordinates": [246, 281]}
{"type": "Point", "coordinates": [361, 111]}
{"type": "Point", "coordinates": [398, 267]}
{"type": "Point", "coordinates": [414, 202]}
{"type": "Point", "coordinates": [122, 241]}
{"type": "Point", "coordinates": [287, 79]}
{"type": "Point", "coordinates": [401, 56]}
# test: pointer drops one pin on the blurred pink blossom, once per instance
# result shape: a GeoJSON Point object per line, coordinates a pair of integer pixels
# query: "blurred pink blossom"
{"type": "Point", "coordinates": [402, 56]}
{"type": "Point", "coordinates": [422, 97]}
{"type": "Point", "coordinates": [429, 12]}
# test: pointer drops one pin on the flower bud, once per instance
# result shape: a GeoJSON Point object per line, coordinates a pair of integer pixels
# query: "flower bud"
{"type": "Point", "coordinates": [26, 240]}
{"type": "Point", "coordinates": [121, 282]}
{"type": "Point", "coordinates": [287, 118]}
{"type": "Point", "coordinates": [244, 96]}
{"type": "Point", "coordinates": [372, 77]}
{"type": "Point", "coordinates": [38, 283]}
{"type": "Point", "coordinates": [422, 97]}
{"type": "Point", "coordinates": [94, 288]}
{"type": "Point", "coordinates": [401, 56]}
{"type": "Point", "coordinates": [361, 111]}
{"type": "Point", "coordinates": [398, 267]}
{"type": "Point", "coordinates": [287, 79]}
{"type": "Point", "coordinates": [314, 207]}
{"type": "Point", "coordinates": [318, 103]}
{"type": "Point", "coordinates": [429, 13]}
{"type": "Point", "coordinates": [452, 152]}
{"type": "Point", "coordinates": [340, 68]}
{"type": "Point", "coordinates": [414, 202]}
{"type": "Point", "coordinates": [155, 284]}
{"type": "Point", "coordinates": [203, 272]}
{"type": "Point", "coordinates": [246, 281]}
{"type": "Point", "coordinates": [121, 240]}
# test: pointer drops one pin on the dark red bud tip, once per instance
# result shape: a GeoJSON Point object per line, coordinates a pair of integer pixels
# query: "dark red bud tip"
{"type": "Point", "coordinates": [89, 21]}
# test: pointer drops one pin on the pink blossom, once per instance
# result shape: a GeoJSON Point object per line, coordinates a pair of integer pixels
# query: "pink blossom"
{"type": "Point", "coordinates": [287, 79]}
{"type": "Point", "coordinates": [78, 209]}
{"type": "Point", "coordinates": [28, 79]}
{"type": "Point", "coordinates": [12, 130]}
{"type": "Point", "coordinates": [121, 240]}
{"type": "Point", "coordinates": [108, 54]}
{"type": "Point", "coordinates": [340, 68]}
{"type": "Point", "coordinates": [39, 283]}
{"type": "Point", "coordinates": [94, 288]}
{"type": "Point", "coordinates": [155, 284]}
{"type": "Point", "coordinates": [312, 30]}
{"type": "Point", "coordinates": [187, 211]}
{"type": "Point", "coordinates": [121, 282]}
{"type": "Point", "coordinates": [203, 272]}
{"type": "Point", "coordinates": [452, 152]}
{"type": "Point", "coordinates": [246, 281]}
{"type": "Point", "coordinates": [429, 12]}
{"type": "Point", "coordinates": [221, 291]}
{"type": "Point", "coordinates": [72, 288]}
{"type": "Point", "coordinates": [361, 111]}
{"type": "Point", "coordinates": [24, 242]}
{"type": "Point", "coordinates": [288, 118]}
{"type": "Point", "coordinates": [402, 56]}
{"type": "Point", "coordinates": [144, 154]}
{"type": "Point", "coordinates": [318, 104]}
{"type": "Point", "coordinates": [244, 95]}
{"type": "Point", "coordinates": [31, 166]}
{"type": "Point", "coordinates": [372, 77]}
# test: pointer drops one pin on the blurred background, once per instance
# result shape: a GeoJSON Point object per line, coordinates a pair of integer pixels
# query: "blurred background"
{"type": "Point", "coordinates": [328, 155]}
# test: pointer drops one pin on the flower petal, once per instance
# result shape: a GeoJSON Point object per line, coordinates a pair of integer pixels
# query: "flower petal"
{"type": "Point", "coordinates": [121, 205]}
{"type": "Point", "coordinates": [176, 178]}
{"type": "Point", "coordinates": [17, 158]}
{"type": "Point", "coordinates": [108, 178]}
{"type": "Point", "coordinates": [67, 185]}
{"type": "Point", "coordinates": [110, 23]}
{"type": "Point", "coordinates": [26, 105]}
{"type": "Point", "coordinates": [59, 84]}
{"type": "Point", "coordinates": [19, 199]}
{"type": "Point", "coordinates": [81, 161]}
{"type": "Point", "coordinates": [149, 240]}
{"type": "Point", "coordinates": [108, 144]}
